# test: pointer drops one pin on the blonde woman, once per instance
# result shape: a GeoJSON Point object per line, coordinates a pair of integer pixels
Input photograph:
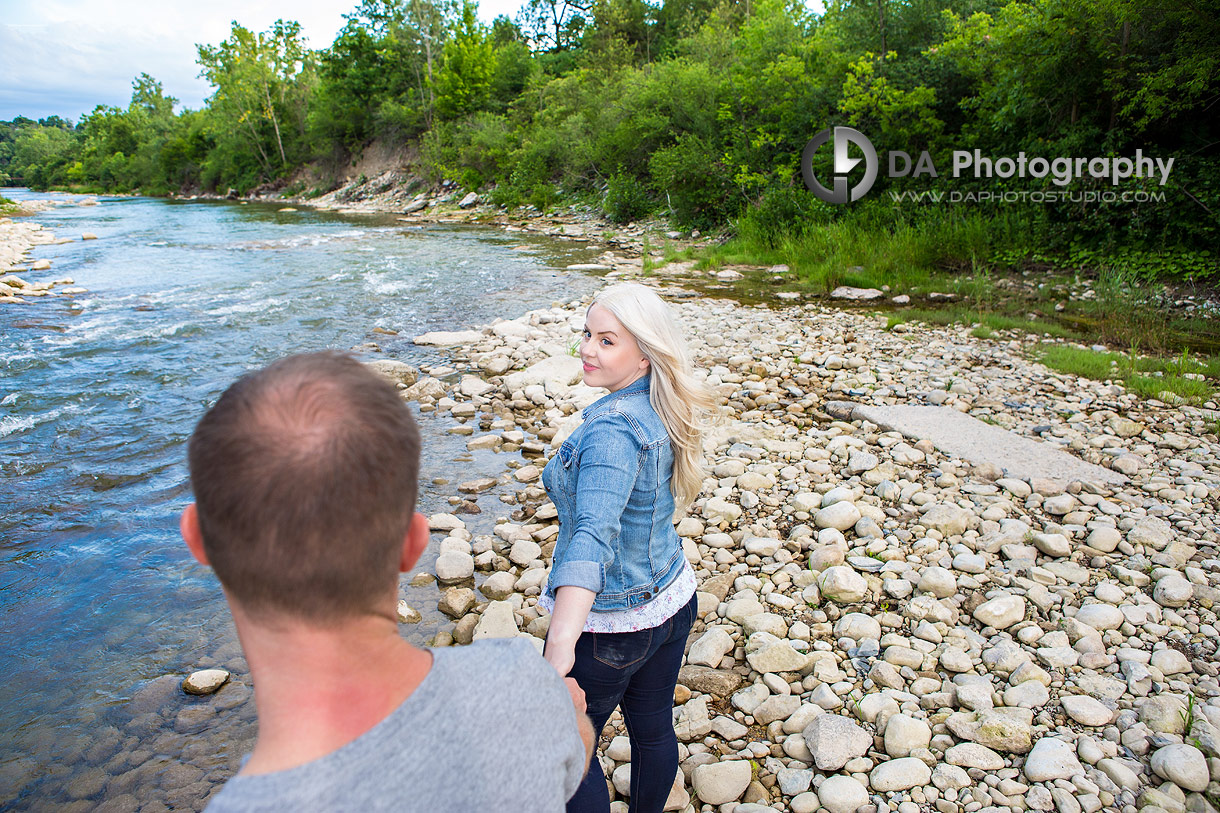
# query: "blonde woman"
{"type": "Point", "coordinates": [621, 593]}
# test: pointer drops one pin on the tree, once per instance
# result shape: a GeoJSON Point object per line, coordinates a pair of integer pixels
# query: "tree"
{"type": "Point", "coordinates": [622, 31]}
{"type": "Point", "coordinates": [408, 37]}
{"type": "Point", "coordinates": [148, 95]}
{"type": "Point", "coordinates": [463, 82]}
{"type": "Point", "coordinates": [41, 155]}
{"type": "Point", "coordinates": [263, 85]}
{"type": "Point", "coordinates": [554, 25]}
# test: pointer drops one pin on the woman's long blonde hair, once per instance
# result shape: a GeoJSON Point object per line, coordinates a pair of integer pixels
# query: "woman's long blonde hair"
{"type": "Point", "coordinates": [683, 403]}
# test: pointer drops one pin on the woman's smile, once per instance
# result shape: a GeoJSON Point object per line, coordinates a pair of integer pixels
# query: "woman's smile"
{"type": "Point", "coordinates": [610, 354]}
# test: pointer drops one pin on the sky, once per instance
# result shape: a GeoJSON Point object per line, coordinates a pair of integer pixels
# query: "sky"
{"type": "Point", "coordinates": [65, 57]}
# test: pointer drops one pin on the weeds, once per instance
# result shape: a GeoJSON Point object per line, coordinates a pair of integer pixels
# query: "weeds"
{"type": "Point", "coordinates": [855, 704]}
{"type": "Point", "coordinates": [1188, 714]}
{"type": "Point", "coordinates": [986, 260]}
{"type": "Point", "coordinates": [1183, 376]}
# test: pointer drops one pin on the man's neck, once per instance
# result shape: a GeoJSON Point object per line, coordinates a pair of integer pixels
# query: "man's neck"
{"type": "Point", "coordinates": [319, 689]}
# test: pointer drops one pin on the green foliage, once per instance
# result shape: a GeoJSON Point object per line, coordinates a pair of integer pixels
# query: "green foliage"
{"type": "Point", "coordinates": [869, 245]}
{"type": "Point", "coordinates": [261, 105]}
{"type": "Point", "coordinates": [700, 110]}
{"type": "Point", "coordinates": [1182, 375]}
{"type": "Point", "coordinates": [42, 156]}
{"type": "Point", "coordinates": [783, 213]}
{"type": "Point", "coordinates": [554, 25]}
{"type": "Point", "coordinates": [463, 80]}
{"type": "Point", "coordinates": [873, 104]}
{"type": "Point", "coordinates": [626, 199]}
{"type": "Point", "coordinates": [695, 182]}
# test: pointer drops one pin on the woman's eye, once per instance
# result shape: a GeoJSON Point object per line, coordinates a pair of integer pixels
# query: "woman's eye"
{"type": "Point", "coordinates": [607, 342]}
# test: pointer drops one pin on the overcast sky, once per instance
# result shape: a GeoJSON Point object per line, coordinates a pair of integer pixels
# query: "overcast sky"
{"type": "Point", "coordinates": [65, 57]}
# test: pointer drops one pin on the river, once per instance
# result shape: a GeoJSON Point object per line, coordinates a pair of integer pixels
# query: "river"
{"type": "Point", "coordinates": [104, 611]}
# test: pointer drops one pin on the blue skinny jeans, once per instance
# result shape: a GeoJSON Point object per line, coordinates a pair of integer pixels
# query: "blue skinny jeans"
{"type": "Point", "coordinates": [637, 671]}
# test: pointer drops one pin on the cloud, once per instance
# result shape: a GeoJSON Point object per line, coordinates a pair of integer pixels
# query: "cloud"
{"type": "Point", "coordinates": [65, 57]}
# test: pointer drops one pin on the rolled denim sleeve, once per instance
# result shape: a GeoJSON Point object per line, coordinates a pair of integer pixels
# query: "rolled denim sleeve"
{"type": "Point", "coordinates": [610, 454]}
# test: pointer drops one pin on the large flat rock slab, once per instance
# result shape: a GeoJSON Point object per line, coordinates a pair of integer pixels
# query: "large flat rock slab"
{"type": "Point", "coordinates": [960, 435]}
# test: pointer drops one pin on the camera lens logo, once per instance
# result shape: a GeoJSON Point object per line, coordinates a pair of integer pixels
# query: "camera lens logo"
{"type": "Point", "coordinates": [843, 164]}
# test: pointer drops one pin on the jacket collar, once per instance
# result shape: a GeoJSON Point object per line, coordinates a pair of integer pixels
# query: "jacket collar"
{"type": "Point", "coordinates": [601, 404]}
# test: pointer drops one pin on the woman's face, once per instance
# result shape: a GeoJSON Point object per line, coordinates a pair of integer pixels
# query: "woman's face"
{"type": "Point", "coordinates": [611, 355]}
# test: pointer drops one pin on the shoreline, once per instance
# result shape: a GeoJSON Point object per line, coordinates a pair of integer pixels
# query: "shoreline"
{"type": "Point", "coordinates": [18, 238]}
{"type": "Point", "coordinates": [445, 207]}
{"type": "Point", "coordinates": [880, 619]}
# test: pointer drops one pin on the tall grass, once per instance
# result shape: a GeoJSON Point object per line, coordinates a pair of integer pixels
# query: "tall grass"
{"type": "Point", "coordinates": [871, 247]}
{"type": "Point", "coordinates": [1183, 375]}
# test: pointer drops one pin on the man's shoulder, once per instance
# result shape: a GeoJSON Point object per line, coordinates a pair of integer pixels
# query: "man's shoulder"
{"type": "Point", "coordinates": [515, 653]}
{"type": "Point", "coordinates": [497, 666]}
{"type": "Point", "coordinates": [501, 684]}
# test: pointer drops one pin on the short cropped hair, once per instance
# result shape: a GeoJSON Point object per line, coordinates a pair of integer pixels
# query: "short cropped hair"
{"type": "Point", "coordinates": [305, 478]}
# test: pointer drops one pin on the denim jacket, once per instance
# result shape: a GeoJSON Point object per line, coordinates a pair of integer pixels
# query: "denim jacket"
{"type": "Point", "coordinates": [610, 484]}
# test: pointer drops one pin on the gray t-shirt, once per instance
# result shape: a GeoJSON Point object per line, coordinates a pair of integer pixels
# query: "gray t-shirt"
{"type": "Point", "coordinates": [490, 728]}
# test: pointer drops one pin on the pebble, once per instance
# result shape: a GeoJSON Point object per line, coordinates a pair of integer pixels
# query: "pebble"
{"type": "Point", "coordinates": [1086, 710]}
{"type": "Point", "coordinates": [905, 734]}
{"type": "Point", "coordinates": [452, 566]}
{"type": "Point", "coordinates": [205, 681]}
{"type": "Point", "coordinates": [973, 755]}
{"type": "Point", "coordinates": [840, 516]}
{"type": "Point", "coordinates": [721, 782]}
{"type": "Point", "coordinates": [938, 581]}
{"type": "Point", "coordinates": [900, 774]}
{"type": "Point", "coordinates": [407, 614]}
{"type": "Point", "coordinates": [834, 740]}
{"type": "Point", "coordinates": [1100, 616]}
{"type": "Point", "coordinates": [497, 621]}
{"type": "Point", "coordinates": [1050, 759]}
{"type": "Point", "coordinates": [842, 794]}
{"type": "Point", "coordinates": [842, 584]}
{"type": "Point", "coordinates": [807, 802]}
{"type": "Point", "coordinates": [1182, 764]}
{"type": "Point", "coordinates": [1172, 591]}
{"type": "Point", "coordinates": [711, 648]}
{"type": "Point", "coordinates": [1002, 612]}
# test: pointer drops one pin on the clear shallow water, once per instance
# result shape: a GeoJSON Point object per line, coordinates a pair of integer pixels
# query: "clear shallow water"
{"type": "Point", "coordinates": [104, 611]}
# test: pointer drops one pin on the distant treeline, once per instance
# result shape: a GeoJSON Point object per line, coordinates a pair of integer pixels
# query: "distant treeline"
{"type": "Point", "coordinates": [695, 109]}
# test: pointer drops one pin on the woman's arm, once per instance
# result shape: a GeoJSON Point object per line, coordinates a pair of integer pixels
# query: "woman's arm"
{"type": "Point", "coordinates": [572, 606]}
{"type": "Point", "coordinates": [610, 459]}
{"type": "Point", "coordinates": [610, 462]}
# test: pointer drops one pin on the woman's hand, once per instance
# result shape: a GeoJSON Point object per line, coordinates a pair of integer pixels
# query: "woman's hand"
{"type": "Point", "coordinates": [561, 657]}
{"type": "Point", "coordinates": [572, 606]}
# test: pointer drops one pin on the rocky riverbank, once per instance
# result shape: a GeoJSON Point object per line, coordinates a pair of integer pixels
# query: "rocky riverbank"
{"type": "Point", "coordinates": [885, 626]}
{"type": "Point", "coordinates": [17, 239]}
{"type": "Point", "coordinates": [401, 192]}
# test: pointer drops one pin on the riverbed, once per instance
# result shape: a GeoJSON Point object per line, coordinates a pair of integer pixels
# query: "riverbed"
{"type": "Point", "coordinates": [105, 612]}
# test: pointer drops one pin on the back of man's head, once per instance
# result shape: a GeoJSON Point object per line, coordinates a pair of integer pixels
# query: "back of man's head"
{"type": "Point", "coordinates": [304, 476]}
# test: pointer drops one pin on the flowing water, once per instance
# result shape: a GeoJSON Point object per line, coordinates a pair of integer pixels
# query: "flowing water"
{"type": "Point", "coordinates": [104, 611]}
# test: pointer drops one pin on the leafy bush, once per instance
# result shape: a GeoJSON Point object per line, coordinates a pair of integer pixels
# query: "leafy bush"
{"type": "Point", "coordinates": [626, 199]}
{"type": "Point", "coordinates": [784, 212]}
{"type": "Point", "coordinates": [695, 182]}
